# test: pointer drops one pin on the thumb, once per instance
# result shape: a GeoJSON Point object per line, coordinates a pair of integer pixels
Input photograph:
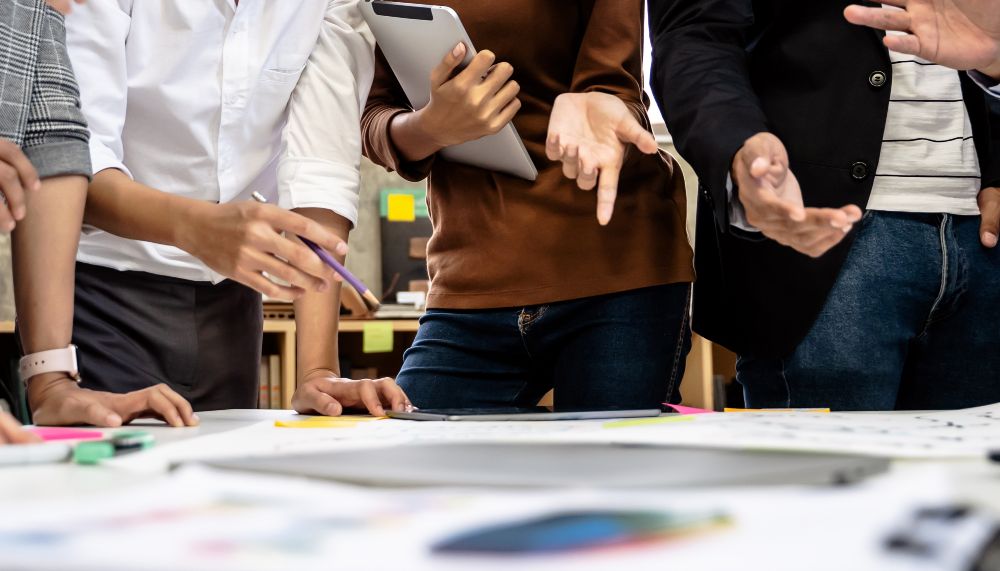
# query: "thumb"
{"type": "Point", "coordinates": [989, 208]}
{"type": "Point", "coordinates": [444, 70]}
{"type": "Point", "coordinates": [631, 131]}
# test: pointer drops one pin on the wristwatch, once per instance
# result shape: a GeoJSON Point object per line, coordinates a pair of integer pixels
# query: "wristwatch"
{"type": "Point", "coordinates": [54, 361]}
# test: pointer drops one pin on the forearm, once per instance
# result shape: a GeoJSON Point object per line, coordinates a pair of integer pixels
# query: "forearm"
{"type": "Point", "coordinates": [121, 206]}
{"type": "Point", "coordinates": [317, 314]}
{"type": "Point", "coordinates": [414, 142]}
{"type": "Point", "coordinates": [44, 255]}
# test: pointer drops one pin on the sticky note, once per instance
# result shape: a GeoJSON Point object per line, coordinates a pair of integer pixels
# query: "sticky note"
{"type": "Point", "coordinates": [53, 433]}
{"type": "Point", "coordinates": [646, 421]}
{"type": "Point", "coordinates": [690, 409]}
{"type": "Point", "coordinates": [820, 410]}
{"type": "Point", "coordinates": [377, 337]}
{"type": "Point", "coordinates": [402, 208]}
{"type": "Point", "coordinates": [326, 422]}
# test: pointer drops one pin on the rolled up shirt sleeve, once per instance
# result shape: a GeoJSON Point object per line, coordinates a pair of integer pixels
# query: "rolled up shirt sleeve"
{"type": "Point", "coordinates": [96, 35]}
{"type": "Point", "coordinates": [56, 135]}
{"type": "Point", "coordinates": [320, 165]}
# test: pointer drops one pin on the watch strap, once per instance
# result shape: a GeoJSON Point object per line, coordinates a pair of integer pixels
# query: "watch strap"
{"type": "Point", "coordinates": [52, 361]}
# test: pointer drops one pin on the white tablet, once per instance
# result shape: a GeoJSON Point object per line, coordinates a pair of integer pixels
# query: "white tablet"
{"type": "Point", "coordinates": [415, 38]}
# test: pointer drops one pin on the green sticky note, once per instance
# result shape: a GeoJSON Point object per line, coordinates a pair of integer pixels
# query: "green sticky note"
{"type": "Point", "coordinates": [402, 208]}
{"type": "Point", "coordinates": [377, 337]}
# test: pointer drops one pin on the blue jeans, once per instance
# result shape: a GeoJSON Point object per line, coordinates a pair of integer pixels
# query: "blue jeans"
{"type": "Point", "coordinates": [911, 324]}
{"type": "Point", "coordinates": [616, 351]}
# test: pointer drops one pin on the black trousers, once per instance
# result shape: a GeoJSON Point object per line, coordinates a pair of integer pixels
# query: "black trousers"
{"type": "Point", "coordinates": [135, 330]}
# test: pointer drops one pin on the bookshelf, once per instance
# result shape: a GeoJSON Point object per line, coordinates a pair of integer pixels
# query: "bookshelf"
{"type": "Point", "coordinates": [282, 332]}
{"type": "Point", "coordinates": [703, 363]}
{"type": "Point", "coordinates": [279, 334]}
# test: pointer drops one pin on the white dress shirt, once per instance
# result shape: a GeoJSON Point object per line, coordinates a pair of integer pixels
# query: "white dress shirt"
{"type": "Point", "coordinates": [211, 100]}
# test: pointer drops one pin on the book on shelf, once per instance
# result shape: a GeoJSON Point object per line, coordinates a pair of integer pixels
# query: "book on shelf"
{"type": "Point", "coordinates": [264, 398]}
{"type": "Point", "coordinates": [274, 372]}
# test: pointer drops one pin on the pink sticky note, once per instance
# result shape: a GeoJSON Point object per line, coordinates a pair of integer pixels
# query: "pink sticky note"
{"type": "Point", "coordinates": [690, 409]}
{"type": "Point", "coordinates": [50, 433]}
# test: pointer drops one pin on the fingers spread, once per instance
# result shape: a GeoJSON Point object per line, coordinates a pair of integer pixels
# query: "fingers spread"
{"type": "Point", "coordinates": [630, 131]}
{"type": "Point", "coordinates": [393, 395]}
{"type": "Point", "coordinates": [906, 44]}
{"type": "Point", "coordinates": [309, 399]}
{"type": "Point", "coordinates": [370, 397]}
{"type": "Point", "coordinates": [181, 405]}
{"type": "Point", "coordinates": [879, 18]}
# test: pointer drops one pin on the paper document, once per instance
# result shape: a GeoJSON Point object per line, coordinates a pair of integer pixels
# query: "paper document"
{"type": "Point", "coordinates": [200, 520]}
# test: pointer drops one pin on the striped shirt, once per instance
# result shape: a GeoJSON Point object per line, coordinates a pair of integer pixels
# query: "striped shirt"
{"type": "Point", "coordinates": [928, 161]}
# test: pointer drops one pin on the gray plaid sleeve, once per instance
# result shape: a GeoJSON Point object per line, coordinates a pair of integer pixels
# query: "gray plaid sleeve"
{"type": "Point", "coordinates": [56, 136]}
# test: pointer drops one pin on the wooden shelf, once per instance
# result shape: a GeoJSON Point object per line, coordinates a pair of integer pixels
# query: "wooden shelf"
{"type": "Point", "coordinates": [285, 330]}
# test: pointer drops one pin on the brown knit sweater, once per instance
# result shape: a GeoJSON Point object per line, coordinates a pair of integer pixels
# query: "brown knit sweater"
{"type": "Point", "coordinates": [500, 241]}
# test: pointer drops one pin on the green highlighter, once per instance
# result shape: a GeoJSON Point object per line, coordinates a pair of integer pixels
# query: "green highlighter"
{"type": "Point", "coordinates": [124, 442]}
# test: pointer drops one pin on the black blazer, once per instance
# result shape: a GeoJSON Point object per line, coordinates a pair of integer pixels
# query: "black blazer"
{"type": "Point", "coordinates": [724, 70]}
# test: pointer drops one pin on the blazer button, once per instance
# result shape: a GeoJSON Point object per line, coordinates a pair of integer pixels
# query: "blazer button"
{"type": "Point", "coordinates": [877, 78]}
{"type": "Point", "coordinates": [859, 170]}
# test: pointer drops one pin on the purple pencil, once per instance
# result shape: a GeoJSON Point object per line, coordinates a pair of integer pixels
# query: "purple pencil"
{"type": "Point", "coordinates": [370, 300]}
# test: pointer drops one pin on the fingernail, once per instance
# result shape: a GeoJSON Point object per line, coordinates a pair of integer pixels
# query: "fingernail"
{"type": "Point", "coordinates": [457, 52]}
{"type": "Point", "coordinates": [19, 213]}
{"type": "Point", "coordinates": [604, 215]}
{"type": "Point", "coordinates": [195, 418]}
{"type": "Point", "coordinates": [342, 249]}
{"type": "Point", "coordinates": [9, 226]}
{"type": "Point", "coordinates": [113, 420]}
{"type": "Point", "coordinates": [37, 185]}
{"type": "Point", "coordinates": [990, 239]}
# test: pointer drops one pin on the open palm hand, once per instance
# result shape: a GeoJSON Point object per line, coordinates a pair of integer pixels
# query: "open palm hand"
{"type": "Point", "coordinates": [961, 34]}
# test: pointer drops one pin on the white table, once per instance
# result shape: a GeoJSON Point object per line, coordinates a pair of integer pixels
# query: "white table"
{"type": "Point", "coordinates": [978, 481]}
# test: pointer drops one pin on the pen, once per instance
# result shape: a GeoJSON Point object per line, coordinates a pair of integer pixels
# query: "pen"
{"type": "Point", "coordinates": [370, 300]}
{"type": "Point", "coordinates": [24, 454]}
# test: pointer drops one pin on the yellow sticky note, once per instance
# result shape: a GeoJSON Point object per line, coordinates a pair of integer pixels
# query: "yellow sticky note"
{"type": "Point", "coordinates": [820, 410]}
{"type": "Point", "coordinates": [326, 422]}
{"type": "Point", "coordinates": [402, 208]}
{"type": "Point", "coordinates": [377, 337]}
{"type": "Point", "coordinates": [632, 422]}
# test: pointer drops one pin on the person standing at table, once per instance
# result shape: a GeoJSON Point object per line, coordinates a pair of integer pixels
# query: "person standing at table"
{"type": "Point", "coordinates": [194, 106]}
{"type": "Point", "coordinates": [529, 291]}
{"type": "Point", "coordinates": [44, 168]}
{"type": "Point", "coordinates": [797, 122]}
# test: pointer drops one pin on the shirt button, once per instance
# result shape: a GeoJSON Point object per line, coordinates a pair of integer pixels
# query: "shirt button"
{"type": "Point", "coordinates": [877, 78]}
{"type": "Point", "coordinates": [859, 170]}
